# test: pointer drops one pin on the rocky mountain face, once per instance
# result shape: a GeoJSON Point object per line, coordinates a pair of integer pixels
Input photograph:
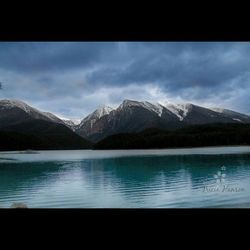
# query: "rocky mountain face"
{"type": "Point", "coordinates": [24, 127]}
{"type": "Point", "coordinates": [14, 112]}
{"type": "Point", "coordinates": [129, 117]}
{"type": "Point", "coordinates": [72, 124]}
{"type": "Point", "coordinates": [89, 124]}
{"type": "Point", "coordinates": [133, 116]}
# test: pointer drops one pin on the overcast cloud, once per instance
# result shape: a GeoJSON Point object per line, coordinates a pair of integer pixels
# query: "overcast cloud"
{"type": "Point", "coordinates": [73, 79]}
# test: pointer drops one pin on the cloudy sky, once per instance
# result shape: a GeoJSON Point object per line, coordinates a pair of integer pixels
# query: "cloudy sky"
{"type": "Point", "coordinates": [72, 79]}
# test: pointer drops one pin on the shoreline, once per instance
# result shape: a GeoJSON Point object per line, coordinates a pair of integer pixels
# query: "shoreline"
{"type": "Point", "coordinates": [219, 146]}
{"type": "Point", "coordinates": [121, 149]}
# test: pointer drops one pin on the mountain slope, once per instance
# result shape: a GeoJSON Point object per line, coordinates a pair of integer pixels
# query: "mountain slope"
{"type": "Point", "coordinates": [236, 116]}
{"type": "Point", "coordinates": [116, 121]}
{"type": "Point", "coordinates": [72, 124]}
{"type": "Point", "coordinates": [40, 135]}
{"type": "Point", "coordinates": [199, 115]}
{"type": "Point", "coordinates": [134, 116]}
{"type": "Point", "coordinates": [89, 125]}
{"type": "Point", "coordinates": [14, 112]}
{"type": "Point", "coordinates": [129, 117]}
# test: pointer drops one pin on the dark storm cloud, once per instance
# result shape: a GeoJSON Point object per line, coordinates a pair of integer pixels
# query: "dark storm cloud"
{"type": "Point", "coordinates": [81, 75]}
{"type": "Point", "coordinates": [178, 65]}
{"type": "Point", "coordinates": [36, 57]}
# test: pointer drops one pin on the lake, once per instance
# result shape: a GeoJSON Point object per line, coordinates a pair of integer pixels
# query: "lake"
{"type": "Point", "coordinates": [169, 178]}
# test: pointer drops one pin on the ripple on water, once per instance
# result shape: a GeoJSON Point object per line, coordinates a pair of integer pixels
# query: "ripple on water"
{"type": "Point", "coordinates": [175, 181]}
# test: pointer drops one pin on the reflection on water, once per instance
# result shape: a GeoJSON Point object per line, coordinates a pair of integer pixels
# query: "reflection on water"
{"type": "Point", "coordinates": [131, 181]}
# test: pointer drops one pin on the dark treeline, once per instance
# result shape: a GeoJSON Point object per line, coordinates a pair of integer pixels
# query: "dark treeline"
{"type": "Point", "coordinates": [192, 136]}
{"type": "Point", "coordinates": [43, 135]}
{"type": "Point", "coordinates": [40, 135]}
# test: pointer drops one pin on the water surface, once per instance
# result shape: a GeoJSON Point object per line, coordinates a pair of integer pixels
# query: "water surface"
{"type": "Point", "coordinates": [176, 178]}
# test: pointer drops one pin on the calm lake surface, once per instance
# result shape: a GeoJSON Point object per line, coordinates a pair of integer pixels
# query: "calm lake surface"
{"type": "Point", "coordinates": [173, 178]}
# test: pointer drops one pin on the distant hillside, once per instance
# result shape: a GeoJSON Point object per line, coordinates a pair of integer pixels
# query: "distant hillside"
{"type": "Point", "coordinates": [191, 136]}
{"type": "Point", "coordinates": [40, 135]}
{"type": "Point", "coordinates": [135, 116]}
{"type": "Point", "coordinates": [133, 124]}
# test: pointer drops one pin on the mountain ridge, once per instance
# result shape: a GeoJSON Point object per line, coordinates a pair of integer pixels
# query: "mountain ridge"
{"type": "Point", "coordinates": [130, 116]}
{"type": "Point", "coordinates": [24, 127]}
{"type": "Point", "coordinates": [135, 116]}
{"type": "Point", "coordinates": [40, 135]}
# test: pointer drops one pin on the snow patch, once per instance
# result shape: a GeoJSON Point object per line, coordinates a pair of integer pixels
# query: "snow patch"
{"type": "Point", "coordinates": [236, 119]}
{"type": "Point", "coordinates": [97, 114]}
{"type": "Point", "coordinates": [9, 104]}
{"type": "Point", "coordinates": [180, 110]}
{"type": "Point", "coordinates": [218, 110]}
{"type": "Point", "coordinates": [153, 107]}
{"type": "Point", "coordinates": [175, 110]}
{"type": "Point", "coordinates": [156, 108]}
{"type": "Point", "coordinates": [104, 110]}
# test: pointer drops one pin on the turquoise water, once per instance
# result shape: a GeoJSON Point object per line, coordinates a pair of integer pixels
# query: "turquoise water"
{"type": "Point", "coordinates": [174, 178]}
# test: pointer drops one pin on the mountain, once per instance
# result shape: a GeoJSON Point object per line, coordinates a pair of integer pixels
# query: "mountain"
{"type": "Point", "coordinates": [72, 124]}
{"type": "Point", "coordinates": [193, 114]}
{"type": "Point", "coordinates": [130, 116]}
{"type": "Point", "coordinates": [134, 116]}
{"type": "Point", "coordinates": [69, 123]}
{"type": "Point", "coordinates": [89, 125]}
{"type": "Point", "coordinates": [40, 135]}
{"type": "Point", "coordinates": [15, 111]}
{"type": "Point", "coordinates": [24, 127]}
{"type": "Point", "coordinates": [220, 134]}
{"type": "Point", "coordinates": [96, 115]}
{"type": "Point", "coordinates": [236, 116]}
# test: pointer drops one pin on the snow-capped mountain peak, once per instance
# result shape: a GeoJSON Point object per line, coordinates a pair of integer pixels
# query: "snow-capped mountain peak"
{"type": "Point", "coordinates": [185, 107]}
{"type": "Point", "coordinates": [180, 109]}
{"type": "Point", "coordinates": [175, 110]}
{"type": "Point", "coordinates": [129, 103]}
{"type": "Point", "coordinates": [15, 111]}
{"type": "Point", "coordinates": [71, 123]}
{"type": "Point", "coordinates": [103, 110]}
{"type": "Point", "coordinates": [153, 107]}
{"type": "Point", "coordinates": [130, 116]}
{"type": "Point", "coordinates": [9, 104]}
{"type": "Point", "coordinates": [97, 114]}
